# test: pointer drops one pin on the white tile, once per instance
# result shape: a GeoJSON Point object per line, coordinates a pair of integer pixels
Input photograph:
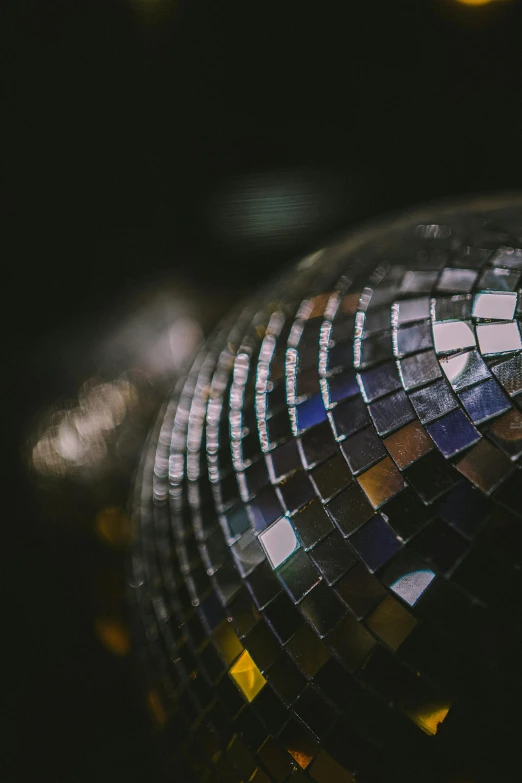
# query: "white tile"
{"type": "Point", "coordinates": [279, 541]}
{"type": "Point", "coordinates": [497, 305]}
{"type": "Point", "coordinates": [498, 338]}
{"type": "Point", "coordinates": [411, 586]}
{"type": "Point", "coordinates": [452, 336]}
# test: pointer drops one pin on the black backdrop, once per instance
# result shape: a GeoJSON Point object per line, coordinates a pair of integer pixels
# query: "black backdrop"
{"type": "Point", "coordinates": [132, 131]}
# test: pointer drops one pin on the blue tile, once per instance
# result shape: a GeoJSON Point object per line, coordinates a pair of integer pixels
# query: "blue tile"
{"type": "Point", "coordinates": [379, 381]}
{"type": "Point", "coordinates": [453, 433]}
{"type": "Point", "coordinates": [310, 412]}
{"type": "Point", "coordinates": [375, 542]}
{"type": "Point", "coordinates": [342, 386]}
{"type": "Point", "coordinates": [484, 401]}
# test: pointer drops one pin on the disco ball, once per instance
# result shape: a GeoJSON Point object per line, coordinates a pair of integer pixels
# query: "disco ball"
{"type": "Point", "coordinates": [327, 571]}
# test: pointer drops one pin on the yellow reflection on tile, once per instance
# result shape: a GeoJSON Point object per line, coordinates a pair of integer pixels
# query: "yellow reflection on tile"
{"type": "Point", "coordinates": [381, 482]}
{"type": "Point", "coordinates": [408, 444]}
{"type": "Point", "coordinates": [391, 622]}
{"type": "Point", "coordinates": [326, 770]}
{"type": "Point", "coordinates": [485, 466]}
{"type": "Point", "coordinates": [429, 716]}
{"type": "Point", "coordinates": [247, 676]}
{"type": "Point", "coordinates": [227, 642]}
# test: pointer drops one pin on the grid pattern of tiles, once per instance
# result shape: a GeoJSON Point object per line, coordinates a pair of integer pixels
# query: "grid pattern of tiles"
{"type": "Point", "coordinates": [328, 516]}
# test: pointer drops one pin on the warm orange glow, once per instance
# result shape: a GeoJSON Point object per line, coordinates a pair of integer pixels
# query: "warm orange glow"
{"type": "Point", "coordinates": [429, 717]}
{"type": "Point", "coordinates": [247, 676]}
{"type": "Point", "coordinates": [113, 635]}
{"type": "Point", "coordinates": [476, 2]}
{"type": "Point", "coordinates": [114, 526]}
{"type": "Point", "coordinates": [157, 709]}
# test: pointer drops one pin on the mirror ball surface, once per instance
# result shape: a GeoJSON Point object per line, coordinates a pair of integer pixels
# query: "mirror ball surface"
{"type": "Point", "coordinates": [326, 579]}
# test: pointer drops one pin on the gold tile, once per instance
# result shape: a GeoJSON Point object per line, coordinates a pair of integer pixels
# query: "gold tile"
{"type": "Point", "coordinates": [429, 716]}
{"type": "Point", "coordinates": [408, 444]}
{"type": "Point", "coordinates": [485, 466]}
{"type": "Point", "coordinates": [247, 676]}
{"type": "Point", "coordinates": [381, 482]}
{"type": "Point", "coordinates": [391, 622]}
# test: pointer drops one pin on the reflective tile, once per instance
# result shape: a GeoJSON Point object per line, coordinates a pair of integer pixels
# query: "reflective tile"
{"type": "Point", "coordinates": [333, 557]}
{"type": "Point", "coordinates": [312, 523]}
{"type": "Point", "coordinates": [351, 641]}
{"type": "Point", "coordinates": [453, 433]}
{"type": "Point", "coordinates": [457, 281]}
{"type": "Point", "coordinates": [451, 308]}
{"type": "Point", "coordinates": [419, 369]}
{"type": "Point", "coordinates": [359, 590]}
{"type": "Point", "coordinates": [409, 339]}
{"type": "Point", "coordinates": [298, 574]}
{"type": "Point", "coordinates": [283, 460]}
{"type": "Point", "coordinates": [499, 279]}
{"type": "Point", "coordinates": [322, 608]}
{"type": "Point", "coordinates": [418, 282]}
{"type": "Point", "coordinates": [464, 508]}
{"type": "Point", "coordinates": [317, 444]}
{"type": "Point", "coordinates": [286, 679]}
{"type": "Point", "coordinates": [379, 381]}
{"type": "Point", "coordinates": [497, 306]}
{"type": "Point", "coordinates": [506, 432]}
{"type": "Point", "coordinates": [498, 338]}
{"type": "Point", "coordinates": [350, 509]}
{"type": "Point", "coordinates": [440, 545]}
{"type": "Point", "coordinates": [433, 401]}
{"type": "Point", "coordinates": [484, 400]}
{"type": "Point", "coordinates": [375, 542]}
{"type": "Point", "coordinates": [451, 336]}
{"type": "Point", "coordinates": [507, 257]}
{"type": "Point", "coordinates": [247, 676]}
{"type": "Point", "coordinates": [350, 416]}
{"type": "Point", "coordinates": [296, 490]}
{"type": "Point", "coordinates": [485, 466]}
{"type": "Point", "coordinates": [391, 412]}
{"type": "Point", "coordinates": [283, 617]}
{"type": "Point", "coordinates": [264, 509]}
{"type": "Point", "coordinates": [408, 444]}
{"type": "Point", "coordinates": [279, 541]}
{"type": "Point", "coordinates": [509, 374]}
{"type": "Point", "coordinates": [317, 714]}
{"type": "Point", "coordinates": [363, 449]}
{"type": "Point", "coordinates": [431, 476]}
{"type": "Point", "coordinates": [310, 412]}
{"type": "Point", "coordinates": [391, 622]}
{"type": "Point", "coordinates": [381, 482]}
{"type": "Point", "coordinates": [375, 349]}
{"type": "Point", "coordinates": [341, 386]}
{"type": "Point", "coordinates": [309, 652]}
{"type": "Point", "coordinates": [409, 310]}
{"type": "Point", "coordinates": [464, 369]}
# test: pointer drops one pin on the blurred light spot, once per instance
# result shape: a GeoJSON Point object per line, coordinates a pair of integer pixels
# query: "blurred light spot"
{"type": "Point", "coordinates": [277, 207]}
{"type": "Point", "coordinates": [476, 2]}
{"type": "Point", "coordinates": [247, 676]}
{"type": "Point", "coordinates": [113, 635]}
{"type": "Point", "coordinates": [430, 716]}
{"type": "Point", "coordinates": [114, 526]}
{"type": "Point", "coordinates": [77, 438]}
{"type": "Point", "coordinates": [157, 709]}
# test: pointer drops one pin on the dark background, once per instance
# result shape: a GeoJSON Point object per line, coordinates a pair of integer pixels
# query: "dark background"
{"type": "Point", "coordinates": [202, 144]}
